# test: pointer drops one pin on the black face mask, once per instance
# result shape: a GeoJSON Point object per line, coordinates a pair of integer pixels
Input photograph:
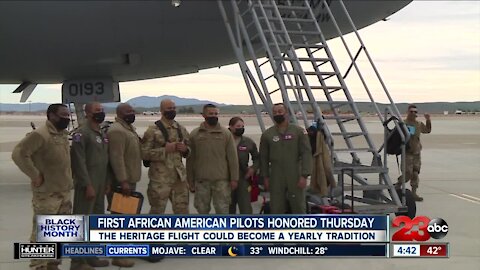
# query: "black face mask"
{"type": "Point", "coordinates": [62, 123]}
{"type": "Point", "coordinates": [170, 115]}
{"type": "Point", "coordinates": [279, 118]}
{"type": "Point", "coordinates": [129, 118]}
{"type": "Point", "coordinates": [239, 132]}
{"type": "Point", "coordinates": [212, 120]}
{"type": "Point", "coordinates": [99, 117]}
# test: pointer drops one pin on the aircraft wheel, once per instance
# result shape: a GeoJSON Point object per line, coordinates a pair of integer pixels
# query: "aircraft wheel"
{"type": "Point", "coordinates": [411, 204]}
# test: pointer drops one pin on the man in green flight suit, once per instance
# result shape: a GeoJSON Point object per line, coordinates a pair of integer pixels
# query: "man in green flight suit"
{"type": "Point", "coordinates": [285, 162]}
{"type": "Point", "coordinates": [89, 155]}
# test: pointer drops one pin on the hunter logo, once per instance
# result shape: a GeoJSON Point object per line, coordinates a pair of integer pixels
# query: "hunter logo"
{"type": "Point", "coordinates": [35, 251]}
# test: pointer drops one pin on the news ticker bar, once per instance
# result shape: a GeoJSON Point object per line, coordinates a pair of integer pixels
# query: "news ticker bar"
{"type": "Point", "coordinates": [58, 250]}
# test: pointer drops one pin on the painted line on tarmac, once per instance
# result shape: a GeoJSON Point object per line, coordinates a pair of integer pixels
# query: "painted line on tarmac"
{"type": "Point", "coordinates": [463, 198]}
{"type": "Point", "coordinates": [471, 197]}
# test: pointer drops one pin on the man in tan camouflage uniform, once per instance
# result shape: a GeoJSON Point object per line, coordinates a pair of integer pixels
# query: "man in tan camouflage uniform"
{"type": "Point", "coordinates": [125, 158]}
{"type": "Point", "coordinates": [44, 156]}
{"type": "Point", "coordinates": [167, 173]}
{"type": "Point", "coordinates": [212, 167]}
{"type": "Point", "coordinates": [413, 160]}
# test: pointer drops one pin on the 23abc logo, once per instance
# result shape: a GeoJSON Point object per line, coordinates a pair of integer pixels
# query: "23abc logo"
{"type": "Point", "coordinates": [436, 228]}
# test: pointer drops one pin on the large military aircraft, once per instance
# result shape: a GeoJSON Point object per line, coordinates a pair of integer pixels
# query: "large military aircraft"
{"type": "Point", "coordinates": [54, 41]}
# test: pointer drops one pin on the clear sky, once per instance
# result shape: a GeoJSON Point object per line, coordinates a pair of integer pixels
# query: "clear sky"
{"type": "Point", "coordinates": [427, 52]}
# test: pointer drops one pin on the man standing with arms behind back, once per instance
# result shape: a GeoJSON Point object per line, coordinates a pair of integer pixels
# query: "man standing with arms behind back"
{"type": "Point", "coordinates": [212, 168]}
{"type": "Point", "coordinates": [285, 163]}
{"type": "Point", "coordinates": [125, 157]}
{"type": "Point", "coordinates": [44, 156]}
{"type": "Point", "coordinates": [412, 159]}
{"type": "Point", "coordinates": [168, 176]}
{"type": "Point", "coordinates": [89, 154]}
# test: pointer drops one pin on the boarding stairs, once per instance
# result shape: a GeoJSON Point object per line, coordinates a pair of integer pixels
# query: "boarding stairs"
{"type": "Point", "coordinates": [300, 70]}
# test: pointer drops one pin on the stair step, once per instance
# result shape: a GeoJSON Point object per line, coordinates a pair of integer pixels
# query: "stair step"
{"type": "Point", "coordinates": [301, 45]}
{"type": "Point", "coordinates": [348, 134]}
{"type": "Point", "coordinates": [313, 102]}
{"type": "Point", "coordinates": [367, 187]}
{"type": "Point", "coordinates": [274, 91]}
{"type": "Point", "coordinates": [299, 20]}
{"type": "Point", "coordinates": [250, 24]}
{"type": "Point", "coordinates": [340, 117]}
{"type": "Point", "coordinates": [334, 102]}
{"type": "Point", "coordinates": [315, 88]}
{"type": "Point", "coordinates": [303, 59]}
{"type": "Point", "coordinates": [293, 32]}
{"type": "Point", "coordinates": [309, 73]}
{"type": "Point", "coordinates": [334, 105]}
{"type": "Point", "coordinates": [334, 90]}
{"type": "Point", "coordinates": [354, 150]}
{"type": "Point", "coordinates": [376, 209]}
{"type": "Point", "coordinates": [357, 168]}
{"type": "Point", "coordinates": [290, 87]}
{"type": "Point", "coordinates": [284, 7]}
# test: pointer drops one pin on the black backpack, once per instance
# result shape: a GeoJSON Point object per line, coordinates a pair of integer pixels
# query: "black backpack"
{"type": "Point", "coordinates": [312, 137]}
{"type": "Point", "coordinates": [164, 131]}
{"type": "Point", "coordinates": [394, 141]}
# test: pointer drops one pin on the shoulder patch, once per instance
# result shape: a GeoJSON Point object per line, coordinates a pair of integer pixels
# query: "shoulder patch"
{"type": "Point", "coordinates": [77, 137]}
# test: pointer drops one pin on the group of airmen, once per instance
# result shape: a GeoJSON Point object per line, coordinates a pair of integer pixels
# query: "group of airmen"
{"type": "Point", "coordinates": [218, 167]}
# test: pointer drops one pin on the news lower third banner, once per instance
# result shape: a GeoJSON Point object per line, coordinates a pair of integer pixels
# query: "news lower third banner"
{"type": "Point", "coordinates": [213, 229]}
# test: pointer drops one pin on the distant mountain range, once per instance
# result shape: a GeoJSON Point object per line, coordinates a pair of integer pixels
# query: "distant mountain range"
{"type": "Point", "coordinates": [154, 102]}
{"type": "Point", "coordinates": [145, 103]}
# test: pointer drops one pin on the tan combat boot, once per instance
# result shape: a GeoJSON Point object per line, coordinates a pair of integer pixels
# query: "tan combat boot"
{"type": "Point", "coordinates": [415, 195]}
{"type": "Point", "coordinates": [123, 262]}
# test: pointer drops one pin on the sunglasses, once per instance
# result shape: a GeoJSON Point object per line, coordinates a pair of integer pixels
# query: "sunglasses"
{"type": "Point", "coordinates": [414, 111]}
